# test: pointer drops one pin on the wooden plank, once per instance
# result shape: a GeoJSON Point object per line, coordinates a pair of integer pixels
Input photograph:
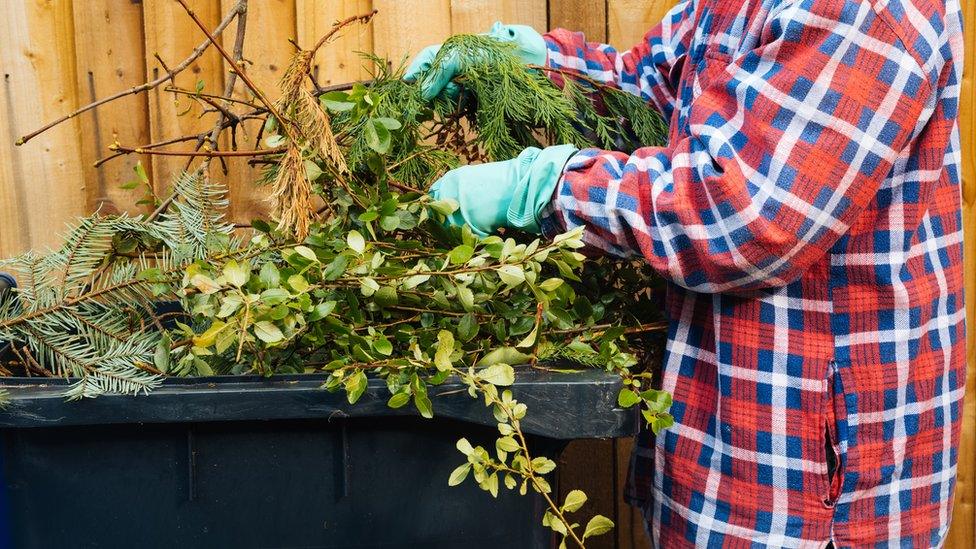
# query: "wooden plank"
{"type": "Point", "coordinates": [267, 50]}
{"type": "Point", "coordinates": [105, 67]}
{"type": "Point", "coordinates": [475, 16]}
{"type": "Point", "coordinates": [41, 185]}
{"type": "Point", "coordinates": [337, 61]}
{"type": "Point", "coordinates": [962, 534]}
{"type": "Point", "coordinates": [172, 35]}
{"type": "Point", "coordinates": [404, 27]}
{"type": "Point", "coordinates": [629, 20]}
{"type": "Point", "coordinates": [588, 465]}
{"type": "Point", "coordinates": [585, 16]}
{"type": "Point", "coordinates": [630, 531]}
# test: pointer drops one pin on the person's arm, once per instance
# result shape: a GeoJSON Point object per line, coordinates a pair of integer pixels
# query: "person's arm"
{"type": "Point", "coordinates": [784, 148]}
{"type": "Point", "coordinates": [648, 70]}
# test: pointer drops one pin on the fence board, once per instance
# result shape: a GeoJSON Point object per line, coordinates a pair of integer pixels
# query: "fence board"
{"type": "Point", "coordinates": [403, 27]}
{"type": "Point", "coordinates": [962, 534]}
{"type": "Point", "coordinates": [267, 50]}
{"type": "Point", "coordinates": [172, 35]}
{"type": "Point", "coordinates": [474, 16]}
{"type": "Point", "coordinates": [337, 61]}
{"type": "Point", "coordinates": [629, 20]}
{"type": "Point", "coordinates": [41, 185]}
{"type": "Point", "coordinates": [586, 16]}
{"type": "Point", "coordinates": [103, 68]}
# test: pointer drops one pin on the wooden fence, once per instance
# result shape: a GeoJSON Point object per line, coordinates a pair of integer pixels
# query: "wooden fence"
{"type": "Point", "coordinates": [56, 55]}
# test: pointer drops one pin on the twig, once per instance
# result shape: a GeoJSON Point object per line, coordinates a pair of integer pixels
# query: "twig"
{"type": "Point", "coordinates": [197, 52]}
{"type": "Point", "coordinates": [123, 151]}
{"type": "Point", "coordinates": [222, 121]}
{"type": "Point", "coordinates": [205, 154]}
{"type": "Point", "coordinates": [30, 363]}
{"type": "Point", "coordinates": [244, 77]}
{"type": "Point", "coordinates": [362, 18]}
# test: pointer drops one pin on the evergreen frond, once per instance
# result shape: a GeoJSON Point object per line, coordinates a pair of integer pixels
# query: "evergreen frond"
{"type": "Point", "coordinates": [196, 218]}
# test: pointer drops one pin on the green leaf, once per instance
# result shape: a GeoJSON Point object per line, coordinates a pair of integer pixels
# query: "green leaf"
{"type": "Point", "coordinates": [627, 398]}
{"type": "Point", "coordinates": [511, 275]}
{"type": "Point", "coordinates": [529, 340]}
{"type": "Point", "coordinates": [312, 170]}
{"type": "Point", "coordinates": [298, 283]}
{"type": "Point", "coordinates": [445, 206]}
{"type": "Point", "coordinates": [507, 444]}
{"type": "Point", "coordinates": [390, 123]}
{"type": "Point", "coordinates": [355, 386]}
{"type": "Point", "coordinates": [466, 297]}
{"type": "Point", "coordinates": [236, 274]}
{"type": "Point", "coordinates": [422, 402]}
{"type": "Point", "coordinates": [229, 305]}
{"type": "Point", "coordinates": [204, 283]}
{"type": "Point", "coordinates": [386, 296]}
{"type": "Point", "coordinates": [461, 254]}
{"type": "Point", "coordinates": [398, 400]}
{"type": "Point", "coordinates": [336, 268]}
{"type": "Point", "coordinates": [268, 332]}
{"type": "Point", "coordinates": [464, 447]}
{"type": "Point", "coordinates": [336, 101]}
{"type": "Point", "coordinates": [307, 253]}
{"type": "Point", "coordinates": [356, 242]}
{"type": "Point", "coordinates": [390, 223]}
{"type": "Point", "coordinates": [274, 141]}
{"type": "Point", "coordinates": [459, 474]}
{"type": "Point", "coordinates": [597, 525]}
{"type": "Point", "coordinates": [161, 358]}
{"type": "Point", "coordinates": [141, 172]}
{"type": "Point", "coordinates": [468, 327]}
{"type": "Point", "coordinates": [551, 284]}
{"type": "Point", "coordinates": [502, 375]}
{"type": "Point", "coordinates": [543, 465]}
{"type": "Point", "coordinates": [377, 136]}
{"type": "Point", "coordinates": [574, 500]}
{"type": "Point", "coordinates": [269, 275]}
{"type": "Point", "coordinates": [445, 347]}
{"type": "Point", "coordinates": [322, 310]}
{"type": "Point", "coordinates": [383, 346]}
{"type": "Point", "coordinates": [504, 355]}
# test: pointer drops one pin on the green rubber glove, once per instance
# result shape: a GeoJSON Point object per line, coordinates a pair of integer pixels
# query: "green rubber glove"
{"type": "Point", "coordinates": [510, 194]}
{"type": "Point", "coordinates": [531, 48]}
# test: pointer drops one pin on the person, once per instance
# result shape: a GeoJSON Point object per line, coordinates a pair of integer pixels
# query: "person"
{"type": "Point", "coordinates": [806, 215]}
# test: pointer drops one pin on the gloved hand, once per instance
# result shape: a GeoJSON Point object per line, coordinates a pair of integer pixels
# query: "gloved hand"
{"type": "Point", "coordinates": [530, 45]}
{"type": "Point", "coordinates": [504, 194]}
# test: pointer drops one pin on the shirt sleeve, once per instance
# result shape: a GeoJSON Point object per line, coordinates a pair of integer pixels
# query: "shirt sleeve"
{"type": "Point", "coordinates": [649, 70]}
{"type": "Point", "coordinates": [782, 150]}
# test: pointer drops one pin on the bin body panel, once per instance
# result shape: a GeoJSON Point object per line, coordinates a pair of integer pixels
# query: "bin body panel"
{"type": "Point", "coordinates": [349, 483]}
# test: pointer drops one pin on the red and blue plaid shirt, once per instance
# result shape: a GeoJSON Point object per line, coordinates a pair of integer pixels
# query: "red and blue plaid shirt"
{"type": "Point", "coordinates": [806, 212]}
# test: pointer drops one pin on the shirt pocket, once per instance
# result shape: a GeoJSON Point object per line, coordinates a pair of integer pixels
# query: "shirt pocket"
{"type": "Point", "coordinates": [713, 65]}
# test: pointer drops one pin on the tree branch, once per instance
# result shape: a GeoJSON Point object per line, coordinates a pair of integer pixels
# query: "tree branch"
{"type": "Point", "coordinates": [170, 74]}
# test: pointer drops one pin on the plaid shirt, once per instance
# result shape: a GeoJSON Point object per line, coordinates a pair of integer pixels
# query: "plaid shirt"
{"type": "Point", "coordinates": [806, 213]}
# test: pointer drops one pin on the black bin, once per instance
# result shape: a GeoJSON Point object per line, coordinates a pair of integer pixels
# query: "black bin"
{"type": "Point", "coordinates": [250, 462]}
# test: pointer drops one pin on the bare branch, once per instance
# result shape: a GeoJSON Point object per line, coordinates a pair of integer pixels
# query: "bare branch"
{"type": "Point", "coordinates": [170, 74]}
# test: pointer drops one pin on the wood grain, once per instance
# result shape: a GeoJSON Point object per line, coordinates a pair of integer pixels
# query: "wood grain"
{"type": "Point", "coordinates": [337, 61]}
{"type": "Point", "coordinates": [629, 20]}
{"type": "Point", "coordinates": [475, 16]}
{"type": "Point", "coordinates": [585, 16]}
{"type": "Point", "coordinates": [41, 184]}
{"type": "Point", "coordinates": [962, 534]}
{"type": "Point", "coordinates": [172, 35]}
{"type": "Point", "coordinates": [267, 51]}
{"type": "Point", "coordinates": [404, 27]}
{"type": "Point", "coordinates": [105, 67]}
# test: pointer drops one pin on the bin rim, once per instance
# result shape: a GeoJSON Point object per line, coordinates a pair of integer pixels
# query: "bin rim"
{"type": "Point", "coordinates": [563, 406]}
